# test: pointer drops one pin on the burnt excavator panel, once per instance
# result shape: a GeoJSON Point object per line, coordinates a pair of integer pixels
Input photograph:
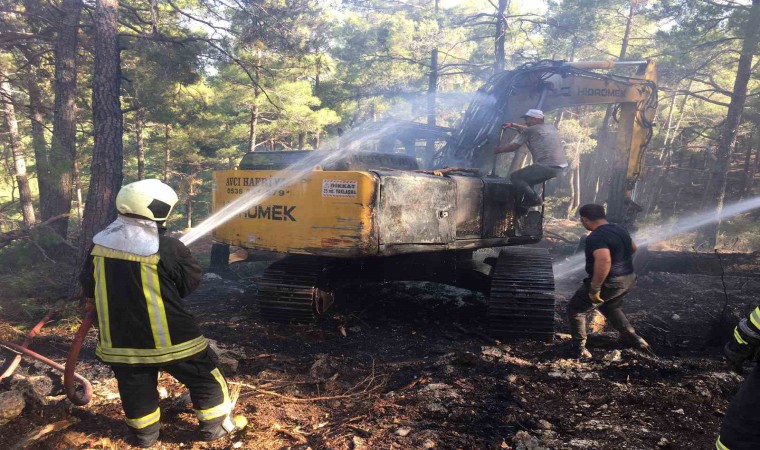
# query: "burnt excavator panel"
{"type": "Point", "coordinates": [415, 210]}
{"type": "Point", "coordinates": [499, 208]}
{"type": "Point", "coordinates": [469, 213]}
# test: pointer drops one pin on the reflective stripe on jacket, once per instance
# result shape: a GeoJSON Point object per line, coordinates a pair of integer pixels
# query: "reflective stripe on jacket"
{"type": "Point", "coordinates": [138, 299]}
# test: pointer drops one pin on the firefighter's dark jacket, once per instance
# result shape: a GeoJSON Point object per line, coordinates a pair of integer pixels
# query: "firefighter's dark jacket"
{"type": "Point", "coordinates": [139, 302]}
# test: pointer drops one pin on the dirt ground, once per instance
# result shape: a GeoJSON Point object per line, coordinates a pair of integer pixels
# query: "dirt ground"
{"type": "Point", "coordinates": [410, 366]}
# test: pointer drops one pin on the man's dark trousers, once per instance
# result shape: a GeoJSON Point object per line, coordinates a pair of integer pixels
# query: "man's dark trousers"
{"type": "Point", "coordinates": [525, 178]}
{"type": "Point", "coordinates": [613, 291]}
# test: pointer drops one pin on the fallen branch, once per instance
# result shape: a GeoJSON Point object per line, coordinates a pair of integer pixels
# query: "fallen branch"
{"type": "Point", "coordinates": [295, 399]}
{"type": "Point", "coordinates": [13, 235]}
{"type": "Point", "coordinates": [42, 250]}
{"type": "Point", "coordinates": [41, 433]}
{"type": "Point", "coordinates": [557, 236]}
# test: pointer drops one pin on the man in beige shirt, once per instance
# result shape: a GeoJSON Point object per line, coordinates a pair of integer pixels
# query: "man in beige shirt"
{"type": "Point", "coordinates": [545, 147]}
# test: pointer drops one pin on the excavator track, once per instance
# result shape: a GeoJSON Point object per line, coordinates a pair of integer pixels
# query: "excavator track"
{"type": "Point", "coordinates": [288, 290]}
{"type": "Point", "coordinates": [521, 303]}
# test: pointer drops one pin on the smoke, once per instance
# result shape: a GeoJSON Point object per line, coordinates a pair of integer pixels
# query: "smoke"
{"type": "Point", "coordinates": [659, 233]}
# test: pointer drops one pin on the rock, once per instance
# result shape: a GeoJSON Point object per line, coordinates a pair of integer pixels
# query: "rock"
{"type": "Point", "coordinates": [403, 431]}
{"type": "Point", "coordinates": [584, 443]}
{"type": "Point", "coordinates": [613, 356]}
{"type": "Point", "coordinates": [214, 346]}
{"type": "Point", "coordinates": [228, 364]}
{"type": "Point", "coordinates": [491, 352]}
{"type": "Point", "coordinates": [663, 442]}
{"type": "Point", "coordinates": [323, 368]}
{"type": "Point", "coordinates": [11, 405]}
{"type": "Point", "coordinates": [545, 424]}
{"type": "Point", "coordinates": [435, 407]}
{"type": "Point", "coordinates": [465, 359]}
{"type": "Point", "coordinates": [358, 443]}
{"type": "Point", "coordinates": [675, 317]}
{"type": "Point", "coordinates": [428, 444]}
{"type": "Point", "coordinates": [678, 411]}
{"type": "Point", "coordinates": [36, 387]}
{"type": "Point", "coordinates": [224, 357]}
{"type": "Point", "coordinates": [526, 441]}
{"type": "Point", "coordinates": [440, 390]}
{"type": "Point", "coordinates": [211, 277]}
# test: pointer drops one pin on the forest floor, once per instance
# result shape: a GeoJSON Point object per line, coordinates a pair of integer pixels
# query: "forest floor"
{"type": "Point", "coordinates": [410, 366]}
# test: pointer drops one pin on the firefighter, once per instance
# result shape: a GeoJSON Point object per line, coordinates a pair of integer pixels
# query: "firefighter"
{"type": "Point", "coordinates": [137, 278]}
{"type": "Point", "coordinates": [740, 429]}
{"type": "Point", "coordinates": [543, 141]}
{"type": "Point", "coordinates": [609, 264]}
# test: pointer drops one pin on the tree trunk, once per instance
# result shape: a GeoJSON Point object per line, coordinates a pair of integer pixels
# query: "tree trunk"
{"type": "Point", "coordinates": [669, 144]}
{"type": "Point", "coordinates": [627, 33]}
{"type": "Point", "coordinates": [63, 146]}
{"type": "Point", "coordinates": [78, 190]}
{"type": "Point", "coordinates": [749, 168]}
{"type": "Point", "coordinates": [717, 189]}
{"type": "Point", "coordinates": [107, 158]}
{"type": "Point", "coordinates": [252, 132]}
{"type": "Point", "coordinates": [11, 180]}
{"type": "Point", "coordinates": [139, 128]}
{"type": "Point", "coordinates": [167, 154]}
{"type": "Point", "coordinates": [34, 76]}
{"type": "Point", "coordinates": [189, 203]}
{"type": "Point", "coordinates": [501, 36]}
{"type": "Point", "coordinates": [37, 119]}
{"type": "Point", "coordinates": [24, 193]}
{"type": "Point", "coordinates": [431, 97]}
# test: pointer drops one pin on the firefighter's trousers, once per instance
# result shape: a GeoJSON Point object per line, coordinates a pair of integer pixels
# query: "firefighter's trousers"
{"type": "Point", "coordinates": [741, 424]}
{"type": "Point", "coordinates": [613, 291]}
{"type": "Point", "coordinates": [138, 387]}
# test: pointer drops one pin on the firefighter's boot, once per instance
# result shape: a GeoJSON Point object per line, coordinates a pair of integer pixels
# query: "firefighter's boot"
{"type": "Point", "coordinates": [231, 425]}
{"type": "Point", "coordinates": [146, 437]}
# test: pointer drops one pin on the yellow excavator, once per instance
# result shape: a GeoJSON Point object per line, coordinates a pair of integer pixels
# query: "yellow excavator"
{"type": "Point", "coordinates": [383, 213]}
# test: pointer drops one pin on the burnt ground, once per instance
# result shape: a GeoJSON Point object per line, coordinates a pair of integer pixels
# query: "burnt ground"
{"type": "Point", "coordinates": [409, 365]}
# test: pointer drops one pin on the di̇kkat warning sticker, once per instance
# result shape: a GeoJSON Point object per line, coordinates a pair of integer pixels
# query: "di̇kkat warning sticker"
{"type": "Point", "coordinates": [339, 188]}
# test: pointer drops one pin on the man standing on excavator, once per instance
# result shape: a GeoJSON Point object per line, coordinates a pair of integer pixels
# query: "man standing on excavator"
{"type": "Point", "coordinates": [138, 278]}
{"type": "Point", "coordinates": [542, 139]}
{"type": "Point", "coordinates": [740, 429]}
{"type": "Point", "coordinates": [609, 264]}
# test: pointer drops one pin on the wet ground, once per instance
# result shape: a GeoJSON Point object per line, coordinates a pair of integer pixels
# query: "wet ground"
{"type": "Point", "coordinates": [410, 366]}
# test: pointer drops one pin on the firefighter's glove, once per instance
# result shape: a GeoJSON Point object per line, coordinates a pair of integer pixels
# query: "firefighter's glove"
{"type": "Point", "coordinates": [595, 294]}
{"type": "Point", "coordinates": [743, 346]}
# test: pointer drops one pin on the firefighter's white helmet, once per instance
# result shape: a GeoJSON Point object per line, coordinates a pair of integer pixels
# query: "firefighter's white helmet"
{"type": "Point", "coordinates": [150, 198]}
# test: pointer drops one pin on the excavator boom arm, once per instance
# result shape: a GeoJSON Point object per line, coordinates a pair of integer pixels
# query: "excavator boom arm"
{"type": "Point", "coordinates": [552, 85]}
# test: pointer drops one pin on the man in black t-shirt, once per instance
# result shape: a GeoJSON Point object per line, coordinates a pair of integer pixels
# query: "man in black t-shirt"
{"type": "Point", "coordinates": [609, 264]}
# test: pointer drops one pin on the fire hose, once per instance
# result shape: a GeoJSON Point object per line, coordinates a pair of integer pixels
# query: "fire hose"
{"type": "Point", "coordinates": [69, 376]}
